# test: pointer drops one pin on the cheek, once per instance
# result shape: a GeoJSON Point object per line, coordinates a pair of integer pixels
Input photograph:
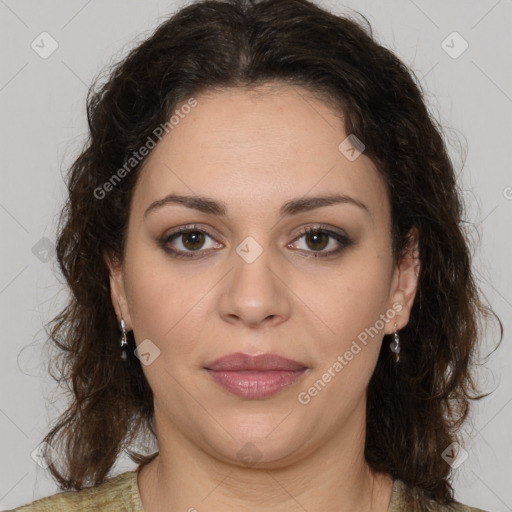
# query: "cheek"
{"type": "Point", "coordinates": [165, 305]}
{"type": "Point", "coordinates": [354, 305]}
{"type": "Point", "coordinates": [355, 296]}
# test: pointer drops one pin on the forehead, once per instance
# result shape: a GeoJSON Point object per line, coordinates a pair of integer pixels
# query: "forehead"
{"type": "Point", "coordinates": [257, 148]}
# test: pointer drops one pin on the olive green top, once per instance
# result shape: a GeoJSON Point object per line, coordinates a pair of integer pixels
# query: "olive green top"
{"type": "Point", "coordinates": [121, 494]}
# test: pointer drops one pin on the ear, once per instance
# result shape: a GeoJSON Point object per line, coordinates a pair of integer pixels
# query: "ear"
{"type": "Point", "coordinates": [117, 289]}
{"type": "Point", "coordinates": [405, 282]}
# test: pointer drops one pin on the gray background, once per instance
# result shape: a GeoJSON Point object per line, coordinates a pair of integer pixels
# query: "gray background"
{"type": "Point", "coordinates": [42, 108]}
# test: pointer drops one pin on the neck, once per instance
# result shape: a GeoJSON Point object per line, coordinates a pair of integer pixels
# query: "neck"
{"type": "Point", "coordinates": [333, 478]}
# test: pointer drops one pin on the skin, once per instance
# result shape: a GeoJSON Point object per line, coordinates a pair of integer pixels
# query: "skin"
{"type": "Point", "coordinates": [254, 150]}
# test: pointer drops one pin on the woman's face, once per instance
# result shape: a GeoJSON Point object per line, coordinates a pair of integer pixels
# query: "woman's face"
{"type": "Point", "coordinates": [246, 279]}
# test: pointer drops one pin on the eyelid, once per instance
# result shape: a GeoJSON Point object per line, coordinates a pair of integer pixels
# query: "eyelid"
{"type": "Point", "coordinates": [334, 233]}
{"type": "Point", "coordinates": [323, 228]}
{"type": "Point", "coordinates": [188, 228]}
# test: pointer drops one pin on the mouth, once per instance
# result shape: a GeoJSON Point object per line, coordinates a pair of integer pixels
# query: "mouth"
{"type": "Point", "coordinates": [254, 377]}
{"type": "Point", "coordinates": [245, 362]}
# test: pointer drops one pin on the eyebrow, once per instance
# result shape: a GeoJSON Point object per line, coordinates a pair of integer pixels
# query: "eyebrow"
{"type": "Point", "coordinates": [219, 208]}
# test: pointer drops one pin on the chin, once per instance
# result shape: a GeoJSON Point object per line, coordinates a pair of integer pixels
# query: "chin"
{"type": "Point", "coordinates": [260, 443]}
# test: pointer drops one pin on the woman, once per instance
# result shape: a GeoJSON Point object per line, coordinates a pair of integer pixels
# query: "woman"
{"type": "Point", "coordinates": [268, 272]}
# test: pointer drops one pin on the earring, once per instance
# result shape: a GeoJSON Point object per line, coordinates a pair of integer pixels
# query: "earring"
{"type": "Point", "coordinates": [124, 342]}
{"type": "Point", "coordinates": [395, 345]}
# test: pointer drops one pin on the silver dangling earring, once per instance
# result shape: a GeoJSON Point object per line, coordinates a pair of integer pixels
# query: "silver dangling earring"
{"type": "Point", "coordinates": [395, 345]}
{"type": "Point", "coordinates": [124, 342]}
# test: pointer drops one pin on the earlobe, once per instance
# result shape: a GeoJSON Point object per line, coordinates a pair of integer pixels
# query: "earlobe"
{"type": "Point", "coordinates": [117, 289]}
{"type": "Point", "coordinates": [406, 279]}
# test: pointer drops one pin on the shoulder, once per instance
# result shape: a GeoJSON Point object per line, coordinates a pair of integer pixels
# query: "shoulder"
{"type": "Point", "coordinates": [401, 503]}
{"type": "Point", "coordinates": [119, 494]}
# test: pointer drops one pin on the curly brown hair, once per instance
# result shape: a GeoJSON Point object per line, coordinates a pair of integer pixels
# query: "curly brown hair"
{"type": "Point", "coordinates": [415, 409]}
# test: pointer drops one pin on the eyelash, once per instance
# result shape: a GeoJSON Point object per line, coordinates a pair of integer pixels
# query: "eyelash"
{"type": "Point", "coordinates": [320, 229]}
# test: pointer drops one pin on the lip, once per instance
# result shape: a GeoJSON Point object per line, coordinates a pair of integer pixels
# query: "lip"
{"type": "Point", "coordinates": [262, 362]}
{"type": "Point", "coordinates": [254, 377]}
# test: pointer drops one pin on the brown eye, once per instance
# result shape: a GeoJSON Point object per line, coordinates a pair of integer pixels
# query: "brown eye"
{"type": "Point", "coordinates": [315, 240]}
{"type": "Point", "coordinates": [319, 240]}
{"type": "Point", "coordinates": [189, 241]}
{"type": "Point", "coordinates": [192, 240]}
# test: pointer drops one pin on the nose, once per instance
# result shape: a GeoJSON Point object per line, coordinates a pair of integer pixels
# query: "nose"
{"type": "Point", "coordinates": [255, 293]}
